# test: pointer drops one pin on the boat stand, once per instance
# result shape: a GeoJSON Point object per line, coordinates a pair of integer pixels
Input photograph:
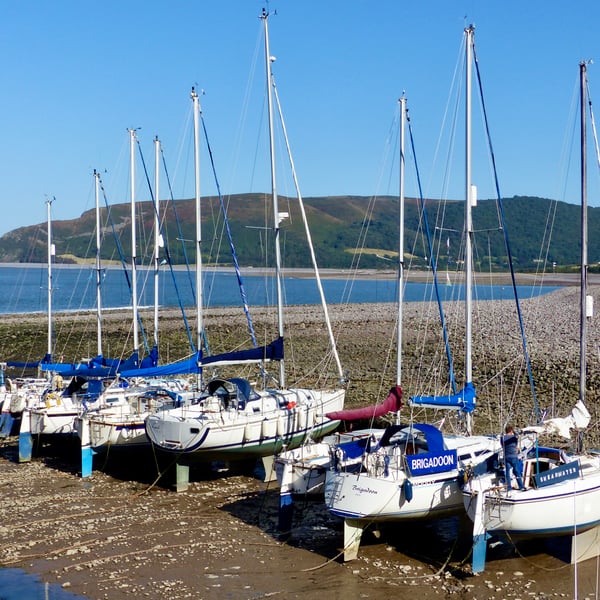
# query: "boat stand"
{"type": "Point", "coordinates": [6, 421]}
{"type": "Point", "coordinates": [25, 438]}
{"type": "Point", "coordinates": [87, 453]}
{"type": "Point", "coordinates": [480, 535]}
{"type": "Point", "coordinates": [585, 545]}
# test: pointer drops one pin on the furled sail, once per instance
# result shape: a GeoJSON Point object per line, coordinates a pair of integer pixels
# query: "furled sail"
{"type": "Point", "coordinates": [393, 403]}
{"type": "Point", "coordinates": [463, 400]}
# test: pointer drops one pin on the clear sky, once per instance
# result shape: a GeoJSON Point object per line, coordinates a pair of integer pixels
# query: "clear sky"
{"type": "Point", "coordinates": [76, 74]}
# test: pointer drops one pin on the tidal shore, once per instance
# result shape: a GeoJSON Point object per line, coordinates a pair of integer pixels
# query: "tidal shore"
{"type": "Point", "coordinates": [125, 533]}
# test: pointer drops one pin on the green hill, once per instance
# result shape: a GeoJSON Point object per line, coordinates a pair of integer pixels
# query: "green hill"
{"type": "Point", "coordinates": [340, 226]}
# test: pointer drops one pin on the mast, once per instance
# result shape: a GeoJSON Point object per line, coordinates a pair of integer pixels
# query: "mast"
{"type": "Point", "coordinates": [199, 290]}
{"type": "Point", "coordinates": [134, 304]}
{"type": "Point", "coordinates": [470, 199]}
{"type": "Point", "coordinates": [402, 102]}
{"type": "Point", "coordinates": [50, 255]}
{"type": "Point", "coordinates": [157, 236]}
{"type": "Point", "coordinates": [584, 235]}
{"type": "Point", "coordinates": [98, 266]}
{"type": "Point", "coordinates": [276, 216]}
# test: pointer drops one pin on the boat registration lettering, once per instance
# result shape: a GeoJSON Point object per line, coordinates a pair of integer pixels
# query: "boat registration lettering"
{"type": "Point", "coordinates": [425, 464]}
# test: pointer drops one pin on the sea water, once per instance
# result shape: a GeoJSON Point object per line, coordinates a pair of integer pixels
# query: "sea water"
{"type": "Point", "coordinates": [16, 584]}
{"type": "Point", "coordinates": [25, 289]}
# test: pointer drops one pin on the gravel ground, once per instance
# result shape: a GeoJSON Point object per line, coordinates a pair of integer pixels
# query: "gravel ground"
{"type": "Point", "coordinates": [118, 536]}
{"type": "Point", "coordinates": [124, 533]}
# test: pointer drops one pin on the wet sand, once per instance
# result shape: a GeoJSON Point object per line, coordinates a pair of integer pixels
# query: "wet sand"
{"type": "Point", "coordinates": [118, 536]}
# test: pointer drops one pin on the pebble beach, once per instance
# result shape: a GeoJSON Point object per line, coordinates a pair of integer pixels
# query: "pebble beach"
{"type": "Point", "coordinates": [125, 533]}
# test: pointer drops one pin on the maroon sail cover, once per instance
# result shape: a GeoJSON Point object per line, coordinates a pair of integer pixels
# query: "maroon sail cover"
{"type": "Point", "coordinates": [393, 403]}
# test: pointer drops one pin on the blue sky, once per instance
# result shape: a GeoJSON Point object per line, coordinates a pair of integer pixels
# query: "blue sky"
{"type": "Point", "coordinates": [76, 74]}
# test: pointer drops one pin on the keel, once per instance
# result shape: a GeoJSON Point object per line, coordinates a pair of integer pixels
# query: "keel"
{"type": "Point", "coordinates": [182, 477]}
{"type": "Point", "coordinates": [352, 534]}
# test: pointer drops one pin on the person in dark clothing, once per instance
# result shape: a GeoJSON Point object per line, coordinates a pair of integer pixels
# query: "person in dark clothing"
{"type": "Point", "coordinates": [510, 443]}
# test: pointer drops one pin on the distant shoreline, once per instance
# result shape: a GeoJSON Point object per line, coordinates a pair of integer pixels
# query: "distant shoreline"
{"type": "Point", "coordinates": [554, 279]}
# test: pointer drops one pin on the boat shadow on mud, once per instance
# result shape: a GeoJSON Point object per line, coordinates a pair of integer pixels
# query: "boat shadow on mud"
{"type": "Point", "coordinates": [442, 545]}
{"type": "Point", "coordinates": [137, 465]}
{"type": "Point", "coordinates": [141, 465]}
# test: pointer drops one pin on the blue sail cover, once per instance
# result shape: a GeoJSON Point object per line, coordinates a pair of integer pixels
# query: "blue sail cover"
{"type": "Point", "coordinates": [194, 364]}
{"type": "Point", "coordinates": [272, 351]}
{"type": "Point", "coordinates": [130, 367]}
{"type": "Point", "coordinates": [96, 367]}
{"type": "Point", "coordinates": [463, 400]}
{"type": "Point", "coordinates": [152, 359]}
{"type": "Point", "coordinates": [187, 365]}
{"type": "Point", "coordinates": [99, 366]}
{"type": "Point", "coordinates": [29, 365]}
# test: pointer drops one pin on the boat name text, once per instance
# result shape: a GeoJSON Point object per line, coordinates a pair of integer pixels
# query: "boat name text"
{"type": "Point", "coordinates": [432, 463]}
{"type": "Point", "coordinates": [363, 490]}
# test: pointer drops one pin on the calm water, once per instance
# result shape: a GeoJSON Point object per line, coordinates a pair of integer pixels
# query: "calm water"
{"type": "Point", "coordinates": [15, 584]}
{"type": "Point", "coordinates": [25, 289]}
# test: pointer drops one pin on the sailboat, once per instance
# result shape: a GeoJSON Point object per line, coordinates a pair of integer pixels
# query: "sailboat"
{"type": "Point", "coordinates": [414, 471]}
{"type": "Point", "coordinates": [117, 418]}
{"type": "Point", "coordinates": [55, 411]}
{"type": "Point", "coordinates": [561, 494]}
{"type": "Point", "coordinates": [302, 471]}
{"type": "Point", "coordinates": [52, 410]}
{"type": "Point", "coordinates": [232, 418]}
{"type": "Point", "coordinates": [53, 402]}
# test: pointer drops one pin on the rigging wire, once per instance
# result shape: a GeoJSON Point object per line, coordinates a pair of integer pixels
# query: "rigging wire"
{"type": "Point", "coordinates": [506, 239]}
{"type": "Point", "coordinates": [167, 253]}
{"type": "Point", "coordinates": [423, 212]}
{"type": "Point", "coordinates": [173, 205]}
{"type": "Point", "coordinates": [230, 239]}
{"type": "Point", "coordinates": [119, 248]}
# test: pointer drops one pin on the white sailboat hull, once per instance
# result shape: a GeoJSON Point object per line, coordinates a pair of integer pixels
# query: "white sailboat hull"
{"type": "Point", "coordinates": [49, 423]}
{"type": "Point", "coordinates": [119, 416]}
{"type": "Point", "coordinates": [302, 470]}
{"type": "Point", "coordinates": [389, 493]}
{"type": "Point", "coordinates": [54, 415]}
{"type": "Point", "coordinates": [359, 496]}
{"type": "Point", "coordinates": [275, 419]}
{"type": "Point", "coordinates": [563, 508]}
{"type": "Point", "coordinates": [108, 431]}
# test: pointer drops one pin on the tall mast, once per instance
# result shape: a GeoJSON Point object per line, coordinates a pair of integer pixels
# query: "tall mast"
{"type": "Point", "coordinates": [134, 304]}
{"type": "Point", "coordinates": [470, 198]}
{"type": "Point", "coordinates": [98, 266]}
{"type": "Point", "coordinates": [199, 289]}
{"type": "Point", "coordinates": [402, 103]}
{"type": "Point", "coordinates": [584, 234]}
{"type": "Point", "coordinates": [276, 215]}
{"type": "Point", "coordinates": [50, 255]}
{"type": "Point", "coordinates": [157, 236]}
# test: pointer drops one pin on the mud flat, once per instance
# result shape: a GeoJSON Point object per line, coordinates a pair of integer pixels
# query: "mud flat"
{"type": "Point", "coordinates": [124, 533]}
{"type": "Point", "coordinates": [118, 536]}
